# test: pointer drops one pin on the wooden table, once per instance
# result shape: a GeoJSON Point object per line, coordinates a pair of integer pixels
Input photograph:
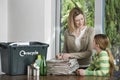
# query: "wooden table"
{"type": "Point", "coordinates": [51, 77]}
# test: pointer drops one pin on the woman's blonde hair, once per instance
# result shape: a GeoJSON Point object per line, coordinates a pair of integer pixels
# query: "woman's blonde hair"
{"type": "Point", "coordinates": [103, 41]}
{"type": "Point", "coordinates": [71, 18]}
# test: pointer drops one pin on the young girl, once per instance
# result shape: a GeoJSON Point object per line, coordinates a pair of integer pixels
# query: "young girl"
{"type": "Point", "coordinates": [103, 61]}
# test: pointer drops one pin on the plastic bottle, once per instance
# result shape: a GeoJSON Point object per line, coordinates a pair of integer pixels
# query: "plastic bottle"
{"type": "Point", "coordinates": [38, 60]}
{"type": "Point", "coordinates": [37, 65]}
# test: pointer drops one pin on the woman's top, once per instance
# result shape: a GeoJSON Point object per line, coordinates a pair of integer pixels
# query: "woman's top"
{"type": "Point", "coordinates": [77, 40]}
{"type": "Point", "coordinates": [100, 65]}
{"type": "Point", "coordinates": [84, 52]}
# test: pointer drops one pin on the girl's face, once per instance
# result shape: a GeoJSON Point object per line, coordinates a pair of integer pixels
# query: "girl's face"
{"type": "Point", "coordinates": [79, 20]}
{"type": "Point", "coordinates": [94, 45]}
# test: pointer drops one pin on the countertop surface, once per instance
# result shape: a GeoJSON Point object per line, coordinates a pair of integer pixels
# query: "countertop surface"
{"type": "Point", "coordinates": [53, 77]}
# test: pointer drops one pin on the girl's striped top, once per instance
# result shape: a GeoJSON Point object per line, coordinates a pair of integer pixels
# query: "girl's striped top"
{"type": "Point", "coordinates": [99, 66]}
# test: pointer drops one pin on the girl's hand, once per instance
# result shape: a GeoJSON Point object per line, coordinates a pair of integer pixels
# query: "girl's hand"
{"type": "Point", "coordinates": [80, 72]}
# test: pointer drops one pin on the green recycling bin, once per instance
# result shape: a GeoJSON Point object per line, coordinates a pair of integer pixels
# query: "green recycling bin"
{"type": "Point", "coordinates": [16, 56]}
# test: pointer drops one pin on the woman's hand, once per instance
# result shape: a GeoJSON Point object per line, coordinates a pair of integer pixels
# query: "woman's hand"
{"type": "Point", "coordinates": [59, 56]}
{"type": "Point", "coordinates": [66, 56]}
{"type": "Point", "coordinates": [80, 72]}
{"type": "Point", "coordinates": [63, 56]}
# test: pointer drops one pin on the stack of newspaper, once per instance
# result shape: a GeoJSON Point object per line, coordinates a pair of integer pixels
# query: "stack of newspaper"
{"type": "Point", "coordinates": [62, 67]}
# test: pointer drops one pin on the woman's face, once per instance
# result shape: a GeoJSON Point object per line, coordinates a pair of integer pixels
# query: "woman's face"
{"type": "Point", "coordinates": [79, 20]}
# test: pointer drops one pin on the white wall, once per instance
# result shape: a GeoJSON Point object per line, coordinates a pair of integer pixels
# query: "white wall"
{"type": "Point", "coordinates": [28, 20]}
{"type": "Point", "coordinates": [3, 20]}
{"type": "Point", "coordinates": [49, 24]}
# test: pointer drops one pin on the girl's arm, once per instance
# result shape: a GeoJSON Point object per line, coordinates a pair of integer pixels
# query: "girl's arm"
{"type": "Point", "coordinates": [103, 66]}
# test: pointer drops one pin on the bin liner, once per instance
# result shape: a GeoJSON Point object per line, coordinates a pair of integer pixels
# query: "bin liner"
{"type": "Point", "coordinates": [16, 56]}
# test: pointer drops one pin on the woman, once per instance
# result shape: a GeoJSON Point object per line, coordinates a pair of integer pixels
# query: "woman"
{"type": "Point", "coordinates": [78, 39]}
{"type": "Point", "coordinates": [103, 61]}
